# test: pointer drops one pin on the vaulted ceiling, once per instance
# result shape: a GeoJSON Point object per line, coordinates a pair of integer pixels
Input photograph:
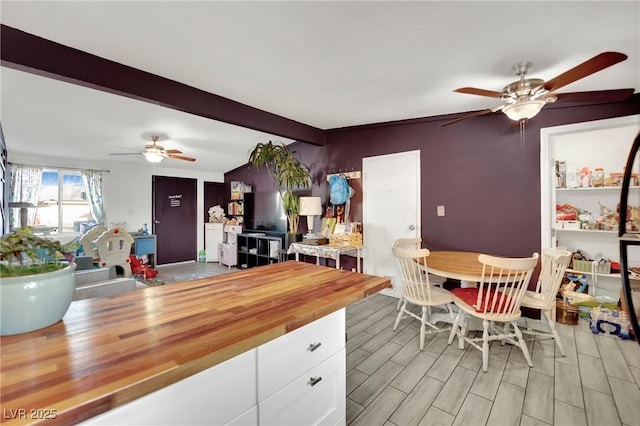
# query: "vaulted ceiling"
{"type": "Point", "coordinates": [325, 64]}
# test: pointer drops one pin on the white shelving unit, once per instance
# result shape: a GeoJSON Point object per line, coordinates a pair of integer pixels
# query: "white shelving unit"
{"type": "Point", "coordinates": [597, 144]}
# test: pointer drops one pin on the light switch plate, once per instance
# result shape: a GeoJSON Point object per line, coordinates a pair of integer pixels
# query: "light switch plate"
{"type": "Point", "coordinates": [440, 210]}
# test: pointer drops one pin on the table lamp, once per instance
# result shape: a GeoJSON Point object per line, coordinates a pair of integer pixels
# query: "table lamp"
{"type": "Point", "coordinates": [310, 207]}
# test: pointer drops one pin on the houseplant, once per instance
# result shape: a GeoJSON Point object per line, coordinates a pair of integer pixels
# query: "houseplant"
{"type": "Point", "coordinates": [287, 173]}
{"type": "Point", "coordinates": [36, 286]}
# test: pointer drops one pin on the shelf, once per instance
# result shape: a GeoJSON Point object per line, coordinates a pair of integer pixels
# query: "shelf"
{"type": "Point", "coordinates": [595, 188]}
{"type": "Point", "coordinates": [590, 231]}
{"type": "Point", "coordinates": [254, 249]}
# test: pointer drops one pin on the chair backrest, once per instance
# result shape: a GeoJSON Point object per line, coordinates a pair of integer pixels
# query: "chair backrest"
{"type": "Point", "coordinates": [504, 283]}
{"type": "Point", "coordinates": [413, 264]}
{"type": "Point", "coordinates": [554, 264]}
{"type": "Point", "coordinates": [414, 243]}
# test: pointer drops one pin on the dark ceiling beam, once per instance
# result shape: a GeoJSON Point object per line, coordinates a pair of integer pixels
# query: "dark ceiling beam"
{"type": "Point", "coordinates": [27, 52]}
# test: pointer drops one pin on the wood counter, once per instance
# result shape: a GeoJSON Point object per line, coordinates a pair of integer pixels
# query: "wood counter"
{"type": "Point", "coordinates": [109, 351]}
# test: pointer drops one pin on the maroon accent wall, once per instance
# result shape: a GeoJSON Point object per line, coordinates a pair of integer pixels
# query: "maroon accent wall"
{"type": "Point", "coordinates": [29, 53]}
{"type": "Point", "coordinates": [488, 183]}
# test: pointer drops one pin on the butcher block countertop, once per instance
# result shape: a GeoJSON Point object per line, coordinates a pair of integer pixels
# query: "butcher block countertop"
{"type": "Point", "coordinates": [109, 351]}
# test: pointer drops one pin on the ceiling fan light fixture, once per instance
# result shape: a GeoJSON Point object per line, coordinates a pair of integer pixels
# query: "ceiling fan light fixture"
{"type": "Point", "coordinates": [152, 156]}
{"type": "Point", "coordinates": [523, 110]}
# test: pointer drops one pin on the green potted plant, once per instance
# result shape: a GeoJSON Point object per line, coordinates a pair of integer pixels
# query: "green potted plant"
{"type": "Point", "coordinates": [287, 173]}
{"type": "Point", "coordinates": [37, 282]}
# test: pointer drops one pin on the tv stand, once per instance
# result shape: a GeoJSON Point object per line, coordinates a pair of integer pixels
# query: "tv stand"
{"type": "Point", "coordinates": [258, 248]}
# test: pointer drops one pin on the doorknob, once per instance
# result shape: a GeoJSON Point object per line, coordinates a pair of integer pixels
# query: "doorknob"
{"type": "Point", "coordinates": [156, 221]}
{"type": "Point", "coordinates": [411, 227]}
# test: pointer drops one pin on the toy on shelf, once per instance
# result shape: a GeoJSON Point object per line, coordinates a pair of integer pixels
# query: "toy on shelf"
{"type": "Point", "coordinates": [216, 214]}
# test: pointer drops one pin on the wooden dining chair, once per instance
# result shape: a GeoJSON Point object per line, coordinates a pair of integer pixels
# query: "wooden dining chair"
{"type": "Point", "coordinates": [554, 263]}
{"type": "Point", "coordinates": [415, 243]}
{"type": "Point", "coordinates": [418, 291]}
{"type": "Point", "coordinates": [412, 243]}
{"type": "Point", "coordinates": [496, 299]}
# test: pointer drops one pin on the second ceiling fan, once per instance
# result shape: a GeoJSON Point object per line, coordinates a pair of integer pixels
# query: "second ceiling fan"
{"type": "Point", "coordinates": [524, 98]}
{"type": "Point", "coordinates": [155, 153]}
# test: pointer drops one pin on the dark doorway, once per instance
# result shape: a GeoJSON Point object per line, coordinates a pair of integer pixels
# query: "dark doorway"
{"type": "Point", "coordinates": [174, 218]}
{"type": "Point", "coordinates": [213, 195]}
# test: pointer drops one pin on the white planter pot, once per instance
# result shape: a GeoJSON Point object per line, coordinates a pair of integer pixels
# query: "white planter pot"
{"type": "Point", "coordinates": [35, 301]}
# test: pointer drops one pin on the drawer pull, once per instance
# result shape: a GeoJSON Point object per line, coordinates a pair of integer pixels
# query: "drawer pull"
{"type": "Point", "coordinates": [314, 381]}
{"type": "Point", "coordinates": [314, 346]}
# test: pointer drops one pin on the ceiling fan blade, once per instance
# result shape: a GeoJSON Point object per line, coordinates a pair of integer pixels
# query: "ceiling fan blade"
{"type": "Point", "coordinates": [125, 153]}
{"type": "Point", "coordinates": [588, 67]}
{"type": "Point", "coordinates": [181, 157]}
{"type": "Point", "coordinates": [479, 92]}
{"type": "Point", "coordinates": [594, 96]}
{"type": "Point", "coordinates": [173, 151]}
{"type": "Point", "coordinates": [472, 115]}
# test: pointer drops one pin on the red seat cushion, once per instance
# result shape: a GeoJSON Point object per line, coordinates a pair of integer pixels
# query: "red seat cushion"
{"type": "Point", "coordinates": [470, 297]}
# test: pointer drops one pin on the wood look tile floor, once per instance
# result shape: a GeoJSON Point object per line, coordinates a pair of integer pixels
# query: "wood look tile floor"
{"type": "Point", "coordinates": [391, 382]}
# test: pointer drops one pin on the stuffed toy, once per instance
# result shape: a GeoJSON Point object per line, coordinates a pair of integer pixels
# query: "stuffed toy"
{"type": "Point", "coordinates": [216, 214]}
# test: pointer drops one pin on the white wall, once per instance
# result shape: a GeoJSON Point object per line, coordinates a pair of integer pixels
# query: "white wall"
{"type": "Point", "coordinates": [127, 188]}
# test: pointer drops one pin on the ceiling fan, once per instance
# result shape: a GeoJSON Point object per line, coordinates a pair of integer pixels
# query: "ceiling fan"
{"type": "Point", "coordinates": [524, 98]}
{"type": "Point", "coordinates": [155, 153]}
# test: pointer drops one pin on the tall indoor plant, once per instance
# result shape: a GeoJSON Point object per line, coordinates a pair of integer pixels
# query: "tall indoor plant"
{"type": "Point", "coordinates": [287, 173]}
{"type": "Point", "coordinates": [36, 286]}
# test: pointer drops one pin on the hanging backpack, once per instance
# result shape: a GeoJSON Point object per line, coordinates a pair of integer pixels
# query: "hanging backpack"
{"type": "Point", "coordinates": [339, 190]}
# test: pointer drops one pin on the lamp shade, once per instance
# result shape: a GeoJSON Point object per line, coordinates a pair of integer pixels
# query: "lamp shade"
{"type": "Point", "coordinates": [523, 110]}
{"type": "Point", "coordinates": [152, 156]}
{"type": "Point", "coordinates": [310, 206]}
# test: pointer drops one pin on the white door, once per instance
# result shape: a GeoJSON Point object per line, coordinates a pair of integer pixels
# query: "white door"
{"type": "Point", "coordinates": [391, 210]}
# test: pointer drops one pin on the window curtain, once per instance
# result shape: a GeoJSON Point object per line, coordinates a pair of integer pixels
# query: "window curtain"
{"type": "Point", "coordinates": [93, 187]}
{"type": "Point", "coordinates": [24, 188]}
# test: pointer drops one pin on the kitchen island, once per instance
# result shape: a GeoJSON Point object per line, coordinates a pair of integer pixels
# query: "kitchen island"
{"type": "Point", "coordinates": [108, 352]}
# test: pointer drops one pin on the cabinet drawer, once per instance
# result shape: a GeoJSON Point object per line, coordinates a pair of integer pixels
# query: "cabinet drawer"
{"type": "Point", "coordinates": [212, 397]}
{"type": "Point", "coordinates": [304, 403]}
{"type": "Point", "coordinates": [284, 359]}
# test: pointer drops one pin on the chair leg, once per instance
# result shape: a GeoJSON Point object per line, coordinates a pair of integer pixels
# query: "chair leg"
{"type": "Point", "coordinates": [485, 345]}
{"type": "Point", "coordinates": [522, 344]}
{"type": "Point", "coordinates": [399, 317]}
{"type": "Point", "coordinates": [464, 325]}
{"type": "Point", "coordinates": [423, 326]}
{"type": "Point", "coordinates": [552, 325]}
{"type": "Point", "coordinates": [399, 303]}
{"type": "Point", "coordinates": [505, 331]}
{"type": "Point", "coordinates": [454, 327]}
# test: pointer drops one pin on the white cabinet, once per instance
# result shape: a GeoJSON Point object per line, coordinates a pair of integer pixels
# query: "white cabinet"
{"type": "Point", "coordinates": [314, 398]}
{"type": "Point", "coordinates": [296, 379]}
{"type": "Point", "coordinates": [223, 394]}
{"type": "Point", "coordinates": [302, 375]}
{"type": "Point", "coordinates": [213, 235]}
{"type": "Point", "coordinates": [597, 144]}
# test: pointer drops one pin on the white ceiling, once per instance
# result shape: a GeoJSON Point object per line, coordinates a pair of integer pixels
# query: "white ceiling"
{"type": "Point", "coordinates": [327, 64]}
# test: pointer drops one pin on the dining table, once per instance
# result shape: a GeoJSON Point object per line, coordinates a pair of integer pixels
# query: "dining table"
{"type": "Point", "coordinates": [456, 265]}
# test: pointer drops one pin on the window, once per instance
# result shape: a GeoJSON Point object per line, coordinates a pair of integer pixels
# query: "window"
{"type": "Point", "coordinates": [62, 202]}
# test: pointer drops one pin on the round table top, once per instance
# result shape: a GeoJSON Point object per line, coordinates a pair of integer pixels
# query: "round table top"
{"type": "Point", "coordinates": [457, 265]}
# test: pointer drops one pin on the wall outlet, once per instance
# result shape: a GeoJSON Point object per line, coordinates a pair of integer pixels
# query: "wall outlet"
{"type": "Point", "coordinates": [440, 210]}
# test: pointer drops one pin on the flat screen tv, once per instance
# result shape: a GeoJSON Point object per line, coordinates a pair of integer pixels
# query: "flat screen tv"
{"type": "Point", "coordinates": [263, 212]}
